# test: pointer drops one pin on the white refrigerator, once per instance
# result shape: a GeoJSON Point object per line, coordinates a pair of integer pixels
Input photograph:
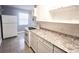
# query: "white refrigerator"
{"type": "Point", "coordinates": [9, 23]}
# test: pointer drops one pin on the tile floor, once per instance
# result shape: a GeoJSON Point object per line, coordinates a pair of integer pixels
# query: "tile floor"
{"type": "Point", "coordinates": [15, 45]}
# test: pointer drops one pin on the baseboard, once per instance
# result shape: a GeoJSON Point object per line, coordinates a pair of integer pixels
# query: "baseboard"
{"type": "Point", "coordinates": [9, 37]}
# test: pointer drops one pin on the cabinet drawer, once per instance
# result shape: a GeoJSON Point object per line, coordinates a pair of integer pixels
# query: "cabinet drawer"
{"type": "Point", "coordinates": [48, 44]}
{"type": "Point", "coordinates": [58, 50]}
{"type": "Point", "coordinates": [43, 48]}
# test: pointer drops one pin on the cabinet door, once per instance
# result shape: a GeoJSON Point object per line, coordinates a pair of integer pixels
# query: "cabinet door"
{"type": "Point", "coordinates": [34, 42]}
{"type": "Point", "coordinates": [43, 48]}
{"type": "Point", "coordinates": [58, 50]}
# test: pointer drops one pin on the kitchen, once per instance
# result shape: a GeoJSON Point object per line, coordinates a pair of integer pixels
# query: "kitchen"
{"type": "Point", "coordinates": [48, 30]}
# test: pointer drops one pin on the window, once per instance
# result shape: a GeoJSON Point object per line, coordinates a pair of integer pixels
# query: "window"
{"type": "Point", "coordinates": [23, 18]}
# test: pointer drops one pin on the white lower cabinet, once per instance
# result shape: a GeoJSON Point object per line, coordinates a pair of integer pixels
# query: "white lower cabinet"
{"type": "Point", "coordinates": [43, 48]}
{"type": "Point", "coordinates": [40, 45]}
{"type": "Point", "coordinates": [34, 42]}
{"type": "Point", "coordinates": [58, 50]}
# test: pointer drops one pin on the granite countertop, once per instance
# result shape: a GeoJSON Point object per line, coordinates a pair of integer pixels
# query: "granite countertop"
{"type": "Point", "coordinates": [68, 44]}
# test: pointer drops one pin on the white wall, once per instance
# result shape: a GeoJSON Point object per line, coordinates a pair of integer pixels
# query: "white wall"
{"type": "Point", "coordinates": [43, 13]}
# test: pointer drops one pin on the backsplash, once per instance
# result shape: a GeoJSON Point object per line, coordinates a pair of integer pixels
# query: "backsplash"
{"type": "Point", "coordinates": [66, 28]}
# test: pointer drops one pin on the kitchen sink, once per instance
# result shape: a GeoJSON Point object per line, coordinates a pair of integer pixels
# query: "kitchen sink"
{"type": "Point", "coordinates": [30, 28]}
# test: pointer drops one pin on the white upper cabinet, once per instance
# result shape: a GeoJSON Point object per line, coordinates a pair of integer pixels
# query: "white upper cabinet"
{"type": "Point", "coordinates": [68, 14]}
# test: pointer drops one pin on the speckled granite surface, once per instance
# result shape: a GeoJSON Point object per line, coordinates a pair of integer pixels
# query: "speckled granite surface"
{"type": "Point", "coordinates": [67, 43]}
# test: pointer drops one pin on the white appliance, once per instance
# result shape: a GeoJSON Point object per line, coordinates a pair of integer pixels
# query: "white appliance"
{"type": "Point", "coordinates": [9, 23]}
{"type": "Point", "coordinates": [27, 36]}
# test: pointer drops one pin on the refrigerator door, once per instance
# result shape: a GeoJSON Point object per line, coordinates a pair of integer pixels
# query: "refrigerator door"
{"type": "Point", "coordinates": [9, 30]}
{"type": "Point", "coordinates": [9, 19]}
